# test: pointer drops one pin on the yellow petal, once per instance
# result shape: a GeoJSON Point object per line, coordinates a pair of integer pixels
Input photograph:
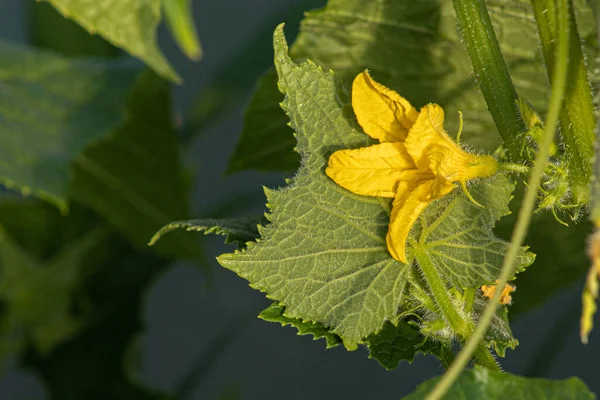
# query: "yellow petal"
{"type": "Point", "coordinates": [382, 113]}
{"type": "Point", "coordinates": [372, 171]}
{"type": "Point", "coordinates": [428, 131]}
{"type": "Point", "coordinates": [410, 201]}
{"type": "Point", "coordinates": [431, 148]}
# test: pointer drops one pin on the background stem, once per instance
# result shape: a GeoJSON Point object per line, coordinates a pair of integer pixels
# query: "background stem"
{"type": "Point", "coordinates": [577, 120]}
{"type": "Point", "coordinates": [490, 70]}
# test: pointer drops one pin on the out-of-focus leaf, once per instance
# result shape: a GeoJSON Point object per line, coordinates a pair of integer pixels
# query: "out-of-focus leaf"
{"type": "Point", "coordinates": [240, 230]}
{"type": "Point", "coordinates": [180, 19]}
{"type": "Point", "coordinates": [37, 295]}
{"type": "Point", "coordinates": [92, 364]}
{"type": "Point", "coordinates": [46, 119]}
{"type": "Point", "coordinates": [51, 31]}
{"type": "Point", "coordinates": [129, 24]}
{"type": "Point", "coordinates": [410, 46]}
{"type": "Point", "coordinates": [262, 124]}
{"type": "Point", "coordinates": [481, 383]}
{"type": "Point", "coordinates": [104, 302]}
{"type": "Point", "coordinates": [135, 179]}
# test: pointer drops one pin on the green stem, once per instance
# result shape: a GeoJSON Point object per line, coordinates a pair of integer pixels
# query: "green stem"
{"type": "Point", "coordinates": [461, 326]}
{"type": "Point", "coordinates": [556, 98]}
{"type": "Point", "coordinates": [577, 120]}
{"type": "Point", "coordinates": [518, 168]}
{"type": "Point", "coordinates": [491, 70]}
{"type": "Point", "coordinates": [595, 184]}
{"type": "Point", "coordinates": [469, 296]}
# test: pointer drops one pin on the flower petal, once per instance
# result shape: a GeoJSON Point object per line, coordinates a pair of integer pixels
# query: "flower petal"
{"type": "Point", "coordinates": [382, 113]}
{"type": "Point", "coordinates": [432, 149]}
{"type": "Point", "coordinates": [410, 201]}
{"type": "Point", "coordinates": [372, 171]}
{"type": "Point", "coordinates": [428, 131]}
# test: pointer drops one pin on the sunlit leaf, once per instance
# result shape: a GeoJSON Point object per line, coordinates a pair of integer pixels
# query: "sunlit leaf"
{"type": "Point", "coordinates": [324, 256]}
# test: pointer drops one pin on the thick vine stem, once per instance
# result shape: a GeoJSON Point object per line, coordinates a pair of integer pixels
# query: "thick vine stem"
{"type": "Point", "coordinates": [559, 78]}
{"type": "Point", "coordinates": [491, 70]}
{"type": "Point", "coordinates": [577, 120]}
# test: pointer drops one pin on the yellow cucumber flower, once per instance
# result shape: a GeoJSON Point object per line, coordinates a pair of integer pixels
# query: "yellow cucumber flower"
{"type": "Point", "coordinates": [415, 163]}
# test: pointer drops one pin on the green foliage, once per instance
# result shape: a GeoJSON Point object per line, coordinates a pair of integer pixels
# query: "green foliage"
{"type": "Point", "coordinates": [240, 231]}
{"type": "Point", "coordinates": [419, 36]}
{"type": "Point", "coordinates": [577, 120]}
{"type": "Point", "coordinates": [480, 383]}
{"type": "Point", "coordinates": [37, 295]}
{"type": "Point", "coordinates": [128, 24]}
{"type": "Point", "coordinates": [96, 138]}
{"type": "Point", "coordinates": [401, 343]}
{"type": "Point", "coordinates": [47, 121]}
{"type": "Point", "coordinates": [134, 178]}
{"type": "Point", "coordinates": [71, 289]}
{"type": "Point", "coordinates": [469, 254]}
{"type": "Point", "coordinates": [276, 313]}
{"type": "Point", "coordinates": [105, 346]}
{"type": "Point", "coordinates": [324, 256]}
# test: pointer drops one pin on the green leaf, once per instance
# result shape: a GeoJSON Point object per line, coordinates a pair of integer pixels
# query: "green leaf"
{"type": "Point", "coordinates": [499, 335]}
{"type": "Point", "coordinates": [324, 255]}
{"type": "Point", "coordinates": [238, 231]}
{"type": "Point", "coordinates": [349, 36]}
{"type": "Point", "coordinates": [480, 383]}
{"type": "Point", "coordinates": [458, 235]}
{"type": "Point", "coordinates": [37, 294]}
{"type": "Point", "coordinates": [276, 313]}
{"type": "Point", "coordinates": [128, 24]}
{"type": "Point", "coordinates": [402, 342]}
{"type": "Point", "coordinates": [135, 178]}
{"type": "Point", "coordinates": [46, 120]}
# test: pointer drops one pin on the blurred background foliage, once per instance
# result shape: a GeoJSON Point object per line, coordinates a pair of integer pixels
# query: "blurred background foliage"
{"type": "Point", "coordinates": [99, 153]}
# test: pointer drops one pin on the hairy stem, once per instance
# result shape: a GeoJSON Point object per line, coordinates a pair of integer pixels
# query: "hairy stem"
{"type": "Point", "coordinates": [490, 70]}
{"type": "Point", "coordinates": [556, 99]}
{"type": "Point", "coordinates": [577, 120]}
{"type": "Point", "coordinates": [459, 324]}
